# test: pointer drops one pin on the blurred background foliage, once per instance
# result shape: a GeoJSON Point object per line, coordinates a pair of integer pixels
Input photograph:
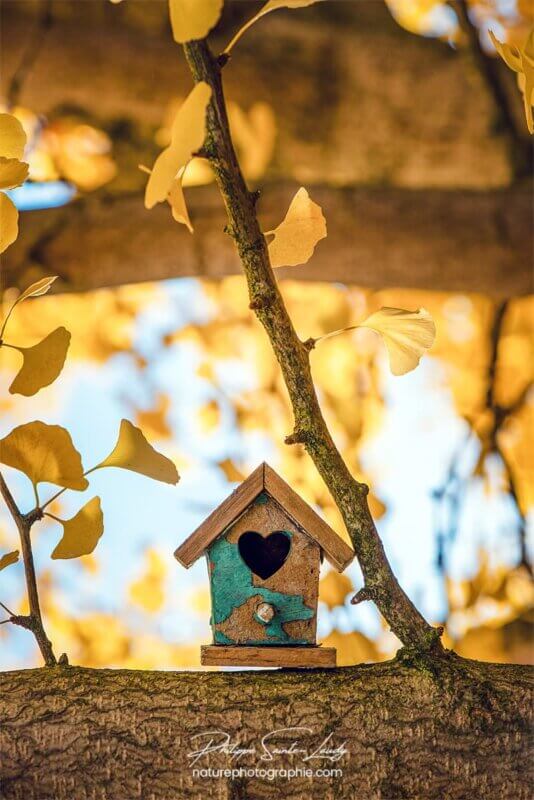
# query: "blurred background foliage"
{"type": "Point", "coordinates": [448, 450]}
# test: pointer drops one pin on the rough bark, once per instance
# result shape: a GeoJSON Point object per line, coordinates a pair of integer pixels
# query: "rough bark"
{"type": "Point", "coordinates": [458, 730]}
{"type": "Point", "coordinates": [462, 241]}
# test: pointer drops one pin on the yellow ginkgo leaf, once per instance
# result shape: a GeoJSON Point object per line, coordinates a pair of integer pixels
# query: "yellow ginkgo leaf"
{"type": "Point", "coordinates": [254, 135]}
{"type": "Point", "coordinates": [187, 136]}
{"type": "Point", "coordinates": [272, 5]}
{"type": "Point", "coordinates": [406, 334]}
{"type": "Point", "coordinates": [295, 238]}
{"type": "Point", "coordinates": [231, 472]}
{"type": "Point", "coordinates": [12, 137]}
{"type": "Point", "coordinates": [376, 506]}
{"type": "Point", "coordinates": [176, 201]}
{"type": "Point", "coordinates": [334, 588]}
{"type": "Point", "coordinates": [509, 53]}
{"type": "Point", "coordinates": [148, 591]}
{"type": "Point", "coordinates": [12, 172]}
{"type": "Point", "coordinates": [9, 222]}
{"type": "Point", "coordinates": [133, 452]}
{"type": "Point", "coordinates": [82, 532]}
{"type": "Point", "coordinates": [8, 559]}
{"type": "Point", "coordinates": [38, 288]}
{"type": "Point", "coordinates": [193, 19]}
{"type": "Point", "coordinates": [33, 290]}
{"type": "Point", "coordinates": [42, 363]}
{"type": "Point", "coordinates": [520, 60]}
{"type": "Point", "coordinates": [45, 453]}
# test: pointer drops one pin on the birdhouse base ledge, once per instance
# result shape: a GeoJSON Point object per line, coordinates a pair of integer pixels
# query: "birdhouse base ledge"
{"type": "Point", "coordinates": [302, 657]}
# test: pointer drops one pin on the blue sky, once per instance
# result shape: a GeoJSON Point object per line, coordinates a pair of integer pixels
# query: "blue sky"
{"type": "Point", "coordinates": [407, 459]}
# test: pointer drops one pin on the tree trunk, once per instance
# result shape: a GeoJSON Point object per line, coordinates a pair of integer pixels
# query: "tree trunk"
{"type": "Point", "coordinates": [445, 728]}
{"type": "Point", "coordinates": [459, 241]}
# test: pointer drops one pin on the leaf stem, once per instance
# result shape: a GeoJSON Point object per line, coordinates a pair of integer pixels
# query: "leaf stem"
{"type": "Point", "coordinates": [35, 494]}
{"type": "Point", "coordinates": [54, 497]}
{"type": "Point", "coordinates": [11, 614]}
{"type": "Point", "coordinates": [34, 621]}
{"type": "Point", "coordinates": [61, 491]}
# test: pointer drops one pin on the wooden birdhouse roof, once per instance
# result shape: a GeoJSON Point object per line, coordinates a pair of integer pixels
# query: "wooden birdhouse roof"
{"type": "Point", "coordinates": [265, 479]}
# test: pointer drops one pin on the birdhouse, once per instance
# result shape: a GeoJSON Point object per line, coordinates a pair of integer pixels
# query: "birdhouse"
{"type": "Point", "coordinates": [264, 546]}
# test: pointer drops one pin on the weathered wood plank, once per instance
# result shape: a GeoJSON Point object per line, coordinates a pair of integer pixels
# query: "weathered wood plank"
{"type": "Point", "coordinates": [195, 544]}
{"type": "Point", "coordinates": [297, 657]}
{"type": "Point", "coordinates": [337, 552]}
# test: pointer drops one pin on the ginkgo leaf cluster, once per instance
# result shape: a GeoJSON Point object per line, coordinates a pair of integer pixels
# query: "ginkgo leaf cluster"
{"type": "Point", "coordinates": [191, 20]}
{"type": "Point", "coordinates": [194, 19]}
{"type": "Point", "coordinates": [406, 334]}
{"type": "Point", "coordinates": [253, 135]}
{"type": "Point", "coordinates": [46, 454]}
{"type": "Point", "coordinates": [13, 172]}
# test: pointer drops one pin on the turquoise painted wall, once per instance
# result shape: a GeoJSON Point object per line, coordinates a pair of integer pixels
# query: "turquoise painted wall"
{"type": "Point", "coordinates": [232, 585]}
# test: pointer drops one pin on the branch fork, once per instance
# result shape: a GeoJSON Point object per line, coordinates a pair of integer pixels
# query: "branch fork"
{"type": "Point", "coordinates": [361, 596]}
{"type": "Point", "coordinates": [297, 437]}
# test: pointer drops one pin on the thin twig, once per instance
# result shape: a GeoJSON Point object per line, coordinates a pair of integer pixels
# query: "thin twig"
{"type": "Point", "coordinates": [33, 621]}
{"type": "Point", "coordinates": [500, 415]}
{"type": "Point", "coordinates": [11, 613]}
{"type": "Point", "coordinates": [451, 489]}
{"type": "Point", "coordinates": [495, 336]}
{"type": "Point", "coordinates": [349, 495]}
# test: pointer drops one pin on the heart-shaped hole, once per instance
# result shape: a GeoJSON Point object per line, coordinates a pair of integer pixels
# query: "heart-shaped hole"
{"type": "Point", "coordinates": [264, 555]}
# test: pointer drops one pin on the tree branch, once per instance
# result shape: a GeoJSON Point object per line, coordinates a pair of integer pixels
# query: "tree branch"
{"type": "Point", "coordinates": [459, 730]}
{"type": "Point", "coordinates": [293, 357]}
{"type": "Point", "coordinates": [490, 71]}
{"type": "Point", "coordinates": [31, 52]}
{"type": "Point", "coordinates": [32, 622]}
{"type": "Point", "coordinates": [500, 415]}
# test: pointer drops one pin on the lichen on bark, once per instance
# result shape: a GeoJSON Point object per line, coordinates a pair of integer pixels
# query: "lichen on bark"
{"type": "Point", "coordinates": [294, 359]}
